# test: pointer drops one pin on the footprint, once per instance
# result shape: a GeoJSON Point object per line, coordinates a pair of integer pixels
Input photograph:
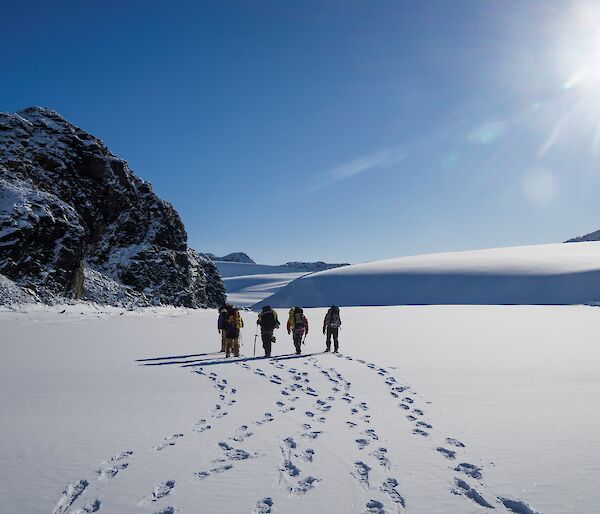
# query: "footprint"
{"type": "Point", "coordinates": [88, 507]}
{"type": "Point", "coordinates": [201, 426]}
{"type": "Point", "coordinates": [455, 442]}
{"type": "Point", "coordinates": [289, 468]}
{"type": "Point", "coordinates": [166, 510]}
{"type": "Point", "coordinates": [112, 466]}
{"type": "Point", "coordinates": [242, 433]}
{"type": "Point", "coordinates": [516, 506]}
{"type": "Point", "coordinates": [374, 507]}
{"type": "Point", "coordinates": [362, 443]}
{"type": "Point", "coordinates": [205, 474]}
{"type": "Point", "coordinates": [404, 406]}
{"type": "Point", "coordinates": [363, 406]}
{"type": "Point", "coordinates": [408, 400]}
{"type": "Point", "coordinates": [465, 489]}
{"type": "Point", "coordinates": [235, 453]}
{"type": "Point", "coordinates": [263, 506]}
{"type": "Point", "coordinates": [312, 435]}
{"type": "Point", "coordinates": [449, 454]}
{"type": "Point", "coordinates": [162, 490]}
{"type": "Point", "coordinates": [418, 431]}
{"type": "Point", "coordinates": [169, 441]}
{"type": "Point", "coordinates": [109, 472]}
{"type": "Point", "coordinates": [372, 434]}
{"type": "Point", "coordinates": [304, 485]}
{"type": "Point", "coordinates": [469, 469]}
{"type": "Point", "coordinates": [350, 424]}
{"type": "Point", "coordinates": [69, 495]}
{"type": "Point", "coordinates": [424, 425]}
{"type": "Point", "coordinates": [381, 455]}
{"type": "Point", "coordinates": [361, 473]}
{"type": "Point", "coordinates": [389, 488]}
{"type": "Point", "coordinates": [308, 455]}
{"type": "Point", "coordinates": [410, 417]}
{"type": "Point", "coordinates": [289, 443]}
{"type": "Point", "coordinates": [418, 412]}
{"type": "Point", "coordinates": [310, 414]}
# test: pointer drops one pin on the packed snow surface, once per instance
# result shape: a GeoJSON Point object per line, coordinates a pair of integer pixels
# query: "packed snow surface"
{"type": "Point", "coordinates": [544, 274]}
{"type": "Point", "coordinates": [431, 409]}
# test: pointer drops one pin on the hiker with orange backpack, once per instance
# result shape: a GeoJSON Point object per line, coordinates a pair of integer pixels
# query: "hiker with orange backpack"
{"type": "Point", "coordinates": [298, 325]}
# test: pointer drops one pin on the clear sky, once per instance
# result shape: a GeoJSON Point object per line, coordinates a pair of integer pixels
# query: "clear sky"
{"type": "Point", "coordinates": [341, 131]}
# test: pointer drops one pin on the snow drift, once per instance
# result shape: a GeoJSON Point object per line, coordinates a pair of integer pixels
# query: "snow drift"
{"type": "Point", "coordinates": [554, 274]}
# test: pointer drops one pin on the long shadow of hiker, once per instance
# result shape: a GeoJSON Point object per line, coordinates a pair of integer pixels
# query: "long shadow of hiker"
{"type": "Point", "coordinates": [211, 361]}
{"type": "Point", "coordinates": [171, 357]}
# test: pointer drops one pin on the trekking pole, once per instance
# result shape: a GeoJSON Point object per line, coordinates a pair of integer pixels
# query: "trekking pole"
{"type": "Point", "coordinates": [255, 336]}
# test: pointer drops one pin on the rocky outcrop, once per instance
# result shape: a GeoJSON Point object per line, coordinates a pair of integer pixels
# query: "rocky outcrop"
{"type": "Point", "coordinates": [592, 236]}
{"type": "Point", "coordinates": [76, 222]}
{"type": "Point", "coordinates": [231, 257]}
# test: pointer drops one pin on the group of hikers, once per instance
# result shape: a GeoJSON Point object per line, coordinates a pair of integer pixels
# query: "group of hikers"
{"type": "Point", "coordinates": [230, 323]}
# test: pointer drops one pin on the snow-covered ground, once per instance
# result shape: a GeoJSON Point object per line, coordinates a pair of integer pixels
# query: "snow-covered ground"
{"type": "Point", "coordinates": [247, 284]}
{"type": "Point", "coordinates": [543, 274]}
{"type": "Point", "coordinates": [435, 409]}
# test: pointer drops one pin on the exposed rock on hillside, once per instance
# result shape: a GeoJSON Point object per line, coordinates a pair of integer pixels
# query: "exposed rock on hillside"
{"type": "Point", "coordinates": [76, 222]}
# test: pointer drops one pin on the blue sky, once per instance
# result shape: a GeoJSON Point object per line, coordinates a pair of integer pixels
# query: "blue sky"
{"type": "Point", "coordinates": [340, 131]}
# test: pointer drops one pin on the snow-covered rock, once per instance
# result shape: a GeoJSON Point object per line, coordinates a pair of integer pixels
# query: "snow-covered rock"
{"type": "Point", "coordinates": [76, 222]}
{"type": "Point", "coordinates": [312, 267]}
{"type": "Point", "coordinates": [232, 257]}
{"type": "Point", "coordinates": [592, 236]}
{"type": "Point", "coordinates": [543, 274]}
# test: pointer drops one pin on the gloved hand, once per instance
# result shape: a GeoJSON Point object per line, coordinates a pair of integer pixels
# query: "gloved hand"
{"type": "Point", "coordinates": [323, 331]}
{"type": "Point", "coordinates": [289, 332]}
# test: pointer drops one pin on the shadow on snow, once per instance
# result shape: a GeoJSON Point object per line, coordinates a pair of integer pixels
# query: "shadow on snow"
{"type": "Point", "coordinates": [211, 361]}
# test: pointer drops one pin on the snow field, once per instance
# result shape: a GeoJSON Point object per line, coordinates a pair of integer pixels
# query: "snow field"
{"type": "Point", "coordinates": [429, 409]}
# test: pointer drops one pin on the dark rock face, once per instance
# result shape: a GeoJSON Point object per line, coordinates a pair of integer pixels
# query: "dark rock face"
{"type": "Point", "coordinates": [74, 218]}
{"type": "Point", "coordinates": [592, 236]}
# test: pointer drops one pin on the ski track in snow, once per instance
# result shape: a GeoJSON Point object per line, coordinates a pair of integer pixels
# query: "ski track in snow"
{"type": "Point", "coordinates": [313, 390]}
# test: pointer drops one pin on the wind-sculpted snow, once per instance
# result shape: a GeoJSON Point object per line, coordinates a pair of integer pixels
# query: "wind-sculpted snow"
{"type": "Point", "coordinates": [541, 275]}
{"type": "Point", "coordinates": [75, 222]}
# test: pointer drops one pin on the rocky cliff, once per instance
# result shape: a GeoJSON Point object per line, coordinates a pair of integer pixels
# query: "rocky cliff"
{"type": "Point", "coordinates": [76, 222]}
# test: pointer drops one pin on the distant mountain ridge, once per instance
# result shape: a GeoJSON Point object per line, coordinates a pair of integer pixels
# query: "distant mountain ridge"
{"type": "Point", "coordinates": [309, 267]}
{"type": "Point", "coordinates": [231, 257]}
{"type": "Point", "coordinates": [592, 236]}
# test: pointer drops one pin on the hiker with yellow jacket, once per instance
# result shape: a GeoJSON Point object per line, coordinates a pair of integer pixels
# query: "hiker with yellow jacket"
{"type": "Point", "coordinates": [297, 325]}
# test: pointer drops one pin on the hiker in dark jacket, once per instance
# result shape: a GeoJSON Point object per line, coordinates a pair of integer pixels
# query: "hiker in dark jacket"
{"type": "Point", "coordinates": [231, 326]}
{"type": "Point", "coordinates": [331, 326]}
{"type": "Point", "coordinates": [297, 323]}
{"type": "Point", "coordinates": [220, 323]}
{"type": "Point", "coordinates": [268, 322]}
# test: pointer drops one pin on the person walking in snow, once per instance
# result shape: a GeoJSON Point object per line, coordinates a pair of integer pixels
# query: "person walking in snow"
{"type": "Point", "coordinates": [331, 326]}
{"type": "Point", "coordinates": [298, 324]}
{"type": "Point", "coordinates": [268, 322]}
{"type": "Point", "coordinates": [232, 325]}
{"type": "Point", "coordinates": [220, 323]}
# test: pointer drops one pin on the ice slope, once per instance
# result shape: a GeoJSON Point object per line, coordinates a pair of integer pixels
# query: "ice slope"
{"type": "Point", "coordinates": [543, 274]}
{"type": "Point", "coordinates": [247, 284]}
{"type": "Point", "coordinates": [436, 409]}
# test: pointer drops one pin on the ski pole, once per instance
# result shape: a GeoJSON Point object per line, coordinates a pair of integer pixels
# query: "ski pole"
{"type": "Point", "coordinates": [255, 336]}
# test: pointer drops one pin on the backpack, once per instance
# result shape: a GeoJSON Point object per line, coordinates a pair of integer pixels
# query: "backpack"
{"type": "Point", "coordinates": [299, 320]}
{"type": "Point", "coordinates": [268, 322]}
{"type": "Point", "coordinates": [333, 318]}
{"type": "Point", "coordinates": [231, 325]}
